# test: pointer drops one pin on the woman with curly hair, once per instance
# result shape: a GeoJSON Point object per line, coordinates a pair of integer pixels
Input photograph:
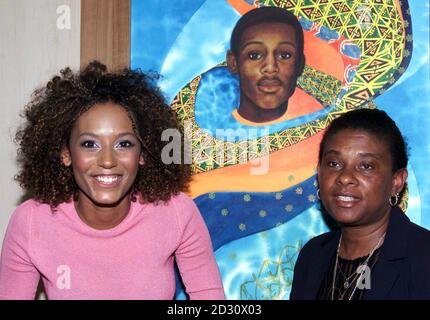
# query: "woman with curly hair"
{"type": "Point", "coordinates": [106, 218]}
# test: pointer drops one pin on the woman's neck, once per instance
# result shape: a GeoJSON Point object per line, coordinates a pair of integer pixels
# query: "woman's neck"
{"type": "Point", "coordinates": [100, 216]}
{"type": "Point", "coordinates": [360, 241]}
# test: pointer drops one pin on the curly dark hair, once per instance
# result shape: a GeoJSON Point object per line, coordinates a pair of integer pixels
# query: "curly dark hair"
{"type": "Point", "coordinates": [53, 111]}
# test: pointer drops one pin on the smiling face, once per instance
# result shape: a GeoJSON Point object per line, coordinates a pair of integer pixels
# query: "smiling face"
{"type": "Point", "coordinates": [356, 179]}
{"type": "Point", "coordinates": [266, 65]}
{"type": "Point", "coordinates": [105, 154]}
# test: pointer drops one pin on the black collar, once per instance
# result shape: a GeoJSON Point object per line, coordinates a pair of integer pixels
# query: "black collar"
{"type": "Point", "coordinates": [394, 247]}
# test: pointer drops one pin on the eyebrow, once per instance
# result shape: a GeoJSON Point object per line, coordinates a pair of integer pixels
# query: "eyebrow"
{"type": "Point", "coordinates": [122, 134]}
{"type": "Point", "coordinates": [360, 154]}
{"type": "Point", "coordinates": [262, 43]}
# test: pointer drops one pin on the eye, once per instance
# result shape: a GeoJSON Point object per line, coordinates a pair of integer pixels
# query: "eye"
{"type": "Point", "coordinates": [254, 55]}
{"type": "Point", "coordinates": [125, 144]}
{"type": "Point", "coordinates": [332, 164]}
{"type": "Point", "coordinates": [284, 55]}
{"type": "Point", "coordinates": [89, 144]}
{"type": "Point", "coordinates": [367, 166]}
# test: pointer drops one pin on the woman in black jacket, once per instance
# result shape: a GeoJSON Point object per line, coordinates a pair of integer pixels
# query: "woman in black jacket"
{"type": "Point", "coordinates": [377, 252]}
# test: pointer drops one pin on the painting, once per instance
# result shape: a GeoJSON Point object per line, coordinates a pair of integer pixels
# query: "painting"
{"type": "Point", "coordinates": [254, 158]}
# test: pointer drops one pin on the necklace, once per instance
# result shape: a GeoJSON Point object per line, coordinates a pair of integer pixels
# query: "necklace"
{"type": "Point", "coordinates": [346, 282]}
{"type": "Point", "coordinates": [357, 274]}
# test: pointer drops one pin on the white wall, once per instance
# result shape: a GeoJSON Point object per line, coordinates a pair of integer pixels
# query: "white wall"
{"type": "Point", "coordinates": [32, 49]}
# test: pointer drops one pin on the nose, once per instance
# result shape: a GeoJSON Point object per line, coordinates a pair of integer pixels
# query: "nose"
{"type": "Point", "coordinates": [107, 158]}
{"type": "Point", "coordinates": [270, 64]}
{"type": "Point", "coordinates": [346, 177]}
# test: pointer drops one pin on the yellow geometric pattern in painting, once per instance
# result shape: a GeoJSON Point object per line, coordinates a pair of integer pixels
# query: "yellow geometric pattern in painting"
{"type": "Point", "coordinates": [375, 26]}
{"type": "Point", "coordinates": [210, 153]}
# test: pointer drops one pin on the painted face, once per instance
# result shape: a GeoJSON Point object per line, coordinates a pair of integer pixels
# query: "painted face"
{"type": "Point", "coordinates": [355, 178]}
{"type": "Point", "coordinates": [105, 154]}
{"type": "Point", "coordinates": [265, 63]}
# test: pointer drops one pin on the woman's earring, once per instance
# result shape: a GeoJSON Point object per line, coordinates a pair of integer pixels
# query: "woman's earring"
{"type": "Point", "coordinates": [396, 200]}
{"type": "Point", "coordinates": [318, 193]}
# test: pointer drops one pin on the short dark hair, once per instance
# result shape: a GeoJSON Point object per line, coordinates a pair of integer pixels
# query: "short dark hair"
{"type": "Point", "coordinates": [376, 122]}
{"type": "Point", "coordinates": [55, 108]}
{"type": "Point", "coordinates": [269, 15]}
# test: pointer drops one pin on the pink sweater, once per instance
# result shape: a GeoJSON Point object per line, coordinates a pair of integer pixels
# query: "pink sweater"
{"type": "Point", "coordinates": [133, 260]}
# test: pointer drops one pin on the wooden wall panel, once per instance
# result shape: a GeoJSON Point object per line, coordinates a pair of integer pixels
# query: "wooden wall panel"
{"type": "Point", "coordinates": [105, 32]}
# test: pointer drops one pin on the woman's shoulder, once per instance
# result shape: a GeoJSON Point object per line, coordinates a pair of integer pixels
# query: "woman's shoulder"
{"type": "Point", "coordinates": [412, 241]}
{"type": "Point", "coordinates": [421, 233]}
{"type": "Point", "coordinates": [185, 209]}
{"type": "Point", "coordinates": [29, 207]}
{"type": "Point", "coordinates": [315, 243]}
{"type": "Point", "coordinates": [322, 239]}
{"type": "Point", "coordinates": [179, 206]}
{"type": "Point", "coordinates": [182, 202]}
{"type": "Point", "coordinates": [21, 219]}
{"type": "Point", "coordinates": [418, 256]}
{"type": "Point", "coordinates": [315, 249]}
{"type": "Point", "coordinates": [178, 199]}
{"type": "Point", "coordinates": [419, 238]}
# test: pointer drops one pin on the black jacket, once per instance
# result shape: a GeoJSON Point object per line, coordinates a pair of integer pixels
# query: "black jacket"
{"type": "Point", "coordinates": [402, 270]}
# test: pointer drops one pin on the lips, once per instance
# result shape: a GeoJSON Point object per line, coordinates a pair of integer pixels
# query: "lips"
{"type": "Point", "coordinates": [346, 200]}
{"type": "Point", "coordinates": [269, 84]}
{"type": "Point", "coordinates": [107, 180]}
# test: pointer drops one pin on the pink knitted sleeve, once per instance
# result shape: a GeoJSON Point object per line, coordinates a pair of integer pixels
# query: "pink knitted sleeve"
{"type": "Point", "coordinates": [194, 256]}
{"type": "Point", "coordinates": [18, 276]}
